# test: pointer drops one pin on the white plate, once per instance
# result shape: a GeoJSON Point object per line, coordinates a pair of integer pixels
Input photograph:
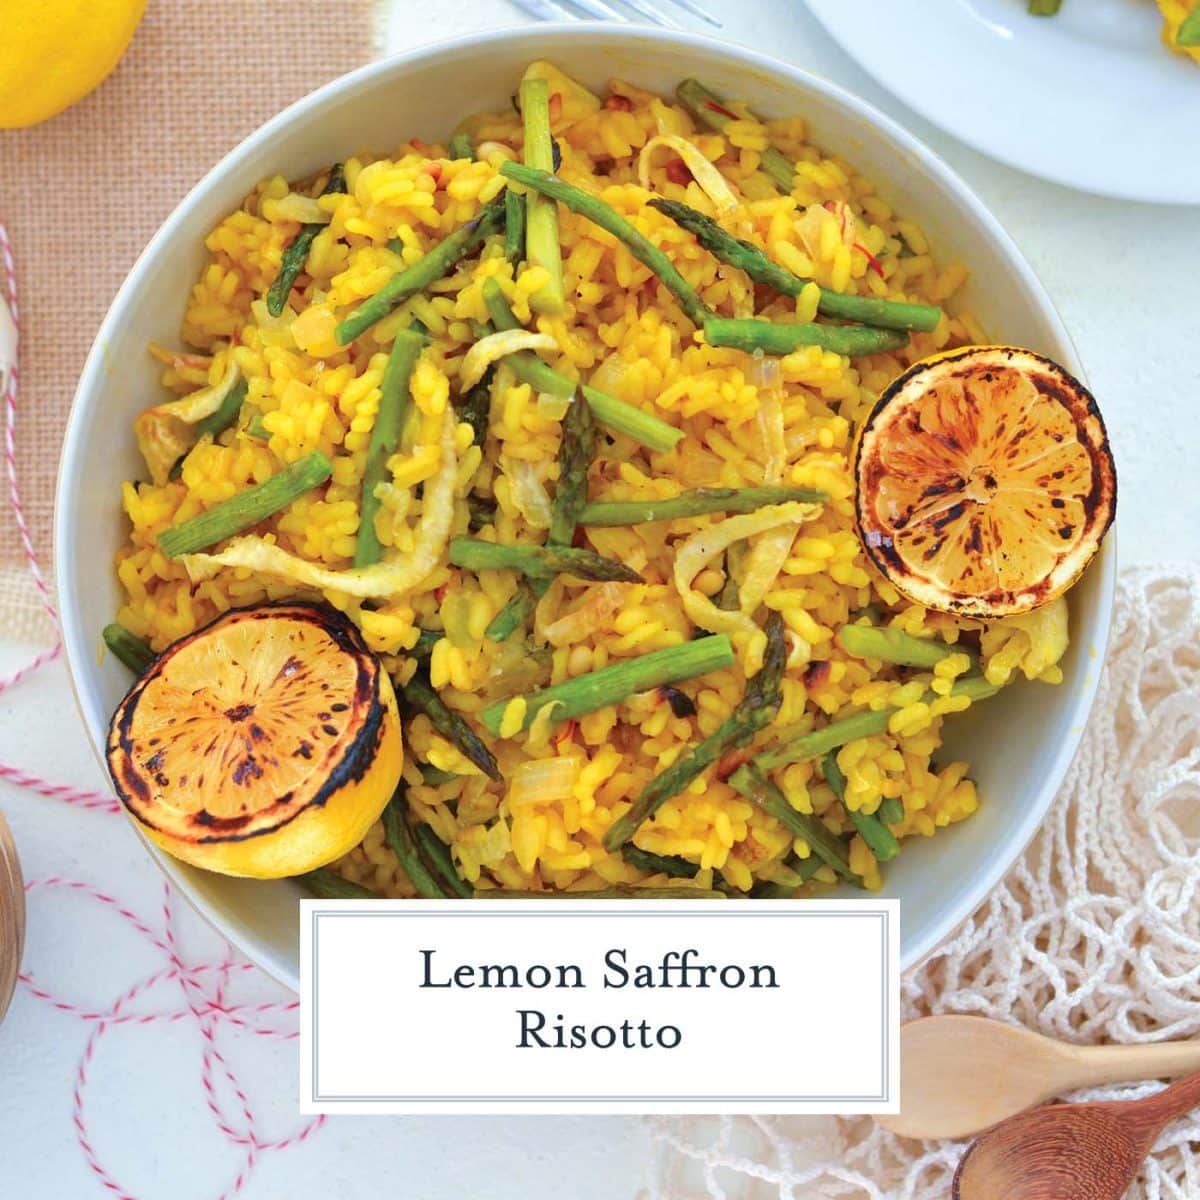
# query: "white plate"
{"type": "Point", "coordinates": [1090, 98]}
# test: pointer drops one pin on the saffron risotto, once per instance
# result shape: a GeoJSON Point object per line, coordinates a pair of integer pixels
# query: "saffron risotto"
{"type": "Point", "coordinates": [746, 421]}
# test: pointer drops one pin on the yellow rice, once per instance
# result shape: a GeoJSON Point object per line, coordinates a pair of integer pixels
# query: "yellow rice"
{"type": "Point", "coordinates": [624, 333]}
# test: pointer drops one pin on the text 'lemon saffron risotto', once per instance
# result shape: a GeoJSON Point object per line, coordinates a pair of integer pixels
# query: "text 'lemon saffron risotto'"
{"type": "Point", "coordinates": [626, 440]}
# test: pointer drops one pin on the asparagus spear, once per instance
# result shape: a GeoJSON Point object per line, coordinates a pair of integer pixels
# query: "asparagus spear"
{"type": "Point", "coordinates": [433, 776]}
{"type": "Point", "coordinates": [891, 810]}
{"type": "Point", "coordinates": [896, 646]}
{"type": "Point", "coordinates": [881, 841]}
{"type": "Point", "coordinates": [437, 854]}
{"type": "Point", "coordinates": [693, 504]}
{"type": "Point", "coordinates": [777, 338]}
{"type": "Point", "coordinates": [872, 613]}
{"type": "Point", "coordinates": [296, 255]}
{"type": "Point", "coordinates": [608, 410]}
{"type": "Point", "coordinates": [868, 310]}
{"type": "Point", "coordinates": [475, 407]}
{"type": "Point", "coordinates": [757, 788]}
{"type": "Point", "coordinates": [754, 712]}
{"type": "Point", "coordinates": [246, 508]}
{"type": "Point", "coordinates": [859, 725]}
{"type": "Point", "coordinates": [1189, 29]}
{"type": "Point", "coordinates": [449, 724]}
{"type": "Point", "coordinates": [539, 561]}
{"type": "Point", "coordinates": [404, 846]}
{"type": "Point", "coordinates": [128, 647]}
{"type": "Point", "coordinates": [576, 449]}
{"type": "Point", "coordinates": [460, 146]}
{"type": "Point", "coordinates": [660, 864]}
{"type": "Point", "coordinates": [541, 214]}
{"type": "Point", "coordinates": [327, 884]}
{"type": "Point", "coordinates": [421, 274]}
{"type": "Point", "coordinates": [612, 684]}
{"type": "Point", "coordinates": [616, 892]}
{"type": "Point", "coordinates": [426, 640]}
{"type": "Point", "coordinates": [216, 423]}
{"type": "Point", "coordinates": [482, 512]}
{"type": "Point", "coordinates": [592, 207]}
{"type": "Point", "coordinates": [514, 229]}
{"type": "Point", "coordinates": [707, 107]}
{"type": "Point", "coordinates": [255, 427]}
{"type": "Point", "coordinates": [385, 437]}
{"type": "Point", "coordinates": [1044, 8]}
{"type": "Point", "coordinates": [805, 868]}
{"type": "Point", "coordinates": [514, 615]}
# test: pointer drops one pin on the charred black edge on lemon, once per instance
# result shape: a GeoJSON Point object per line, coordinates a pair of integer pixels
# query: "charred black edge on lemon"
{"type": "Point", "coordinates": [884, 557]}
{"type": "Point", "coordinates": [352, 765]}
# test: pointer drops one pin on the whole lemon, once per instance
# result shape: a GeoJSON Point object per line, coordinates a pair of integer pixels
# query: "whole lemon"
{"type": "Point", "coordinates": [55, 52]}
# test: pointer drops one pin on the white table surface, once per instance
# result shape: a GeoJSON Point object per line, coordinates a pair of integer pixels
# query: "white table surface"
{"type": "Point", "coordinates": [1123, 276]}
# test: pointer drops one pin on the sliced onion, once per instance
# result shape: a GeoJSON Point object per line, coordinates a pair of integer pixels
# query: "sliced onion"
{"type": "Point", "coordinates": [496, 844]}
{"type": "Point", "coordinates": [770, 549]}
{"type": "Point", "coordinates": [295, 207]}
{"type": "Point", "coordinates": [178, 358]}
{"type": "Point", "coordinates": [513, 670]}
{"type": "Point", "coordinates": [496, 346]}
{"type": "Point", "coordinates": [493, 152]}
{"type": "Point", "coordinates": [808, 226]}
{"type": "Point", "coordinates": [711, 181]}
{"type": "Point", "coordinates": [543, 781]}
{"type": "Point", "coordinates": [708, 544]}
{"type": "Point", "coordinates": [594, 614]}
{"type": "Point", "coordinates": [380, 579]}
{"type": "Point", "coordinates": [528, 492]}
{"type": "Point", "coordinates": [552, 407]}
{"type": "Point", "coordinates": [764, 372]}
{"type": "Point", "coordinates": [165, 432]}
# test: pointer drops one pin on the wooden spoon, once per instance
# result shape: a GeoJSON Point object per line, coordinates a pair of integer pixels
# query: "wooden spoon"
{"type": "Point", "coordinates": [1070, 1151]}
{"type": "Point", "coordinates": [960, 1075]}
{"type": "Point", "coordinates": [12, 916]}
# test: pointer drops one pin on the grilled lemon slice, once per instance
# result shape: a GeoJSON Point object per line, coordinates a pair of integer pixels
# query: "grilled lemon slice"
{"type": "Point", "coordinates": [985, 481]}
{"type": "Point", "coordinates": [265, 744]}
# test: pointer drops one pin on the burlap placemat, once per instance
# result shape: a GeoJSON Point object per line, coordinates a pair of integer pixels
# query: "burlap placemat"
{"type": "Point", "coordinates": [82, 194]}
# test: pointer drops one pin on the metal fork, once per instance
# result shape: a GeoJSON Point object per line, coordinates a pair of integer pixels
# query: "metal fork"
{"type": "Point", "coordinates": [577, 10]}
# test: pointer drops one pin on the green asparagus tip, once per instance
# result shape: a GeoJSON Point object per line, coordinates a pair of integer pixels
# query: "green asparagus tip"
{"type": "Point", "coordinates": [128, 648]}
{"type": "Point", "coordinates": [539, 562]}
{"type": "Point", "coordinates": [410, 280]}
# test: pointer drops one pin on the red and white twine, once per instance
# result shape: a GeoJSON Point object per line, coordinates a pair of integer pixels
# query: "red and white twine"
{"type": "Point", "coordinates": [203, 985]}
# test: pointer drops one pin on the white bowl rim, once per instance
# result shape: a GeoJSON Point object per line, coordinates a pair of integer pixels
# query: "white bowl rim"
{"type": "Point", "coordinates": [79, 644]}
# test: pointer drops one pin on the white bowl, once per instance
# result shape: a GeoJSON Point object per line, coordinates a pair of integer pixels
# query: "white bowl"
{"type": "Point", "coordinates": [1020, 744]}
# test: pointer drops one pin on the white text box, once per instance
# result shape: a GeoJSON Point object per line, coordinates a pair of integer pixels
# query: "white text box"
{"type": "Point", "coordinates": [526, 1006]}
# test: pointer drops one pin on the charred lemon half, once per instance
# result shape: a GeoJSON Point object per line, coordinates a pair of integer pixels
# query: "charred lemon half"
{"type": "Point", "coordinates": [265, 744]}
{"type": "Point", "coordinates": [985, 481]}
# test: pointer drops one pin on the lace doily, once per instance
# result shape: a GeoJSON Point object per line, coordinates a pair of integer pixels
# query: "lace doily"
{"type": "Point", "coordinates": [1094, 936]}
